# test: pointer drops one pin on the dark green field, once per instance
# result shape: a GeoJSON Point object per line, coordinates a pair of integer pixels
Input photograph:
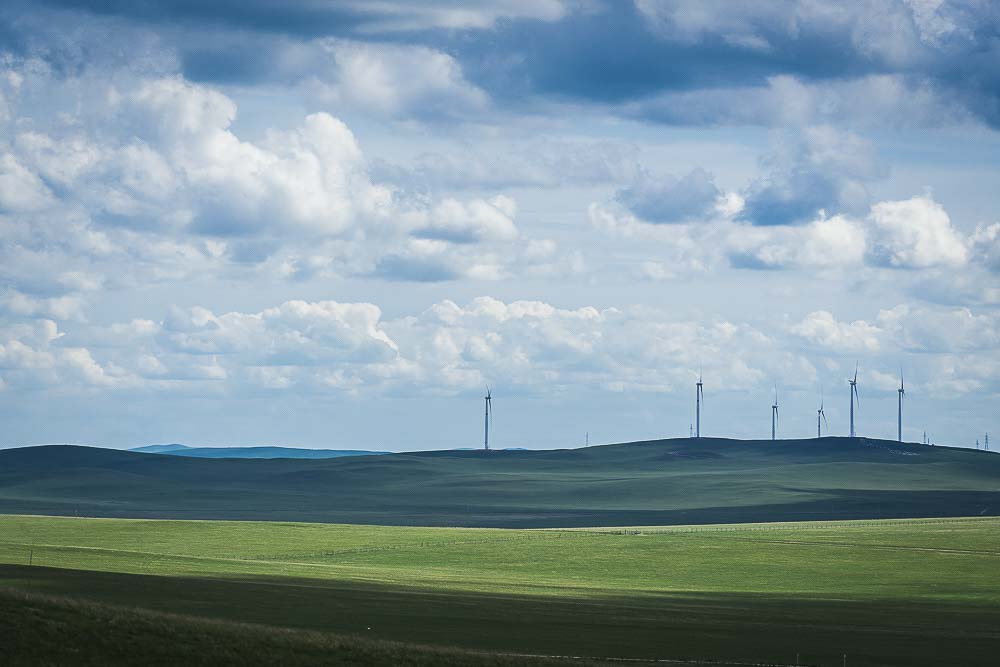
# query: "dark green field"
{"type": "Point", "coordinates": [909, 592]}
{"type": "Point", "coordinates": [679, 481]}
{"type": "Point", "coordinates": [51, 630]}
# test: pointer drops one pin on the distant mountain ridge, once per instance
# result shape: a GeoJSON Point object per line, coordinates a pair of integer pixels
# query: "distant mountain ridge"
{"type": "Point", "coordinates": [159, 449]}
{"type": "Point", "coordinates": [263, 452]}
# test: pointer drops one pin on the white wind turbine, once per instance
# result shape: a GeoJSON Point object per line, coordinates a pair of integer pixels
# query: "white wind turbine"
{"type": "Point", "coordinates": [774, 415]}
{"type": "Point", "coordinates": [854, 394]}
{"type": "Point", "coordinates": [820, 415]}
{"type": "Point", "coordinates": [899, 411]}
{"type": "Point", "coordinates": [489, 417]}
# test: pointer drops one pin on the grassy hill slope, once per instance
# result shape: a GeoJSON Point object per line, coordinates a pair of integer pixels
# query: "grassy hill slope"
{"type": "Point", "coordinates": [657, 482]}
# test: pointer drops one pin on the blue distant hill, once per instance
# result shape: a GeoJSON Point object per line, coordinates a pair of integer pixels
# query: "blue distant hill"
{"type": "Point", "coordinates": [253, 452]}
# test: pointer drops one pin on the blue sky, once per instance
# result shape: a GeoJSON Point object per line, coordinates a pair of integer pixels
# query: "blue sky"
{"type": "Point", "coordinates": [331, 224]}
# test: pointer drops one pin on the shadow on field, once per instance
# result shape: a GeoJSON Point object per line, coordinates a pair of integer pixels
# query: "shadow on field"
{"type": "Point", "coordinates": [835, 505]}
{"type": "Point", "coordinates": [747, 627]}
{"type": "Point", "coordinates": [52, 630]}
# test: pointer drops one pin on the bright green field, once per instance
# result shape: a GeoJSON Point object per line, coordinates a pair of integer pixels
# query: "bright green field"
{"type": "Point", "coordinates": [886, 592]}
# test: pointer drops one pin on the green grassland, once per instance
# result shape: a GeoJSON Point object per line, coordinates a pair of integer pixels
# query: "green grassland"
{"type": "Point", "coordinates": [903, 592]}
{"type": "Point", "coordinates": [681, 481]}
{"type": "Point", "coordinates": [49, 630]}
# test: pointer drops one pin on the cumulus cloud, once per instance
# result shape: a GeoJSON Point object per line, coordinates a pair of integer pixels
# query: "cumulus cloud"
{"type": "Point", "coordinates": [825, 169]}
{"type": "Point", "coordinates": [985, 244]}
{"type": "Point", "coordinates": [397, 80]}
{"type": "Point", "coordinates": [691, 197]}
{"type": "Point", "coordinates": [821, 328]}
{"type": "Point", "coordinates": [458, 222]}
{"type": "Point", "coordinates": [827, 243]}
{"type": "Point", "coordinates": [156, 182]}
{"type": "Point", "coordinates": [329, 346]}
{"type": "Point", "coordinates": [941, 330]}
{"type": "Point", "coordinates": [905, 328]}
{"type": "Point", "coordinates": [312, 178]}
{"type": "Point", "coordinates": [914, 234]}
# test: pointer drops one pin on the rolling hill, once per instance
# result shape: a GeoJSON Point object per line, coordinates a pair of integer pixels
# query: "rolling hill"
{"type": "Point", "coordinates": [661, 482]}
{"type": "Point", "coordinates": [252, 452]}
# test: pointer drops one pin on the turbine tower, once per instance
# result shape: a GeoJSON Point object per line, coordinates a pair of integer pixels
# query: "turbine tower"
{"type": "Point", "coordinates": [699, 396]}
{"type": "Point", "coordinates": [820, 415]}
{"type": "Point", "coordinates": [899, 411]}
{"type": "Point", "coordinates": [987, 442]}
{"type": "Point", "coordinates": [489, 417]}
{"type": "Point", "coordinates": [854, 394]}
{"type": "Point", "coordinates": [774, 416]}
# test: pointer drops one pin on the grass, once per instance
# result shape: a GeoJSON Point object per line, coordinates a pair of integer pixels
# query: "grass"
{"type": "Point", "coordinates": [914, 592]}
{"type": "Point", "coordinates": [48, 630]}
{"type": "Point", "coordinates": [663, 482]}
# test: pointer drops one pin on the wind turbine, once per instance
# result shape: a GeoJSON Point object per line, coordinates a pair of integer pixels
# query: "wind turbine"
{"type": "Point", "coordinates": [854, 394]}
{"type": "Point", "coordinates": [489, 417]}
{"type": "Point", "coordinates": [820, 415]}
{"type": "Point", "coordinates": [774, 416]}
{"type": "Point", "coordinates": [899, 412]}
{"type": "Point", "coordinates": [699, 396]}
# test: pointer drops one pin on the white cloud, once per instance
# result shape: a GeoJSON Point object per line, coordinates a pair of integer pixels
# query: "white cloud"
{"type": "Point", "coordinates": [329, 346]}
{"type": "Point", "coordinates": [397, 80]}
{"type": "Point", "coordinates": [312, 178]}
{"type": "Point", "coordinates": [905, 329]}
{"type": "Point", "coordinates": [952, 330]}
{"type": "Point", "coordinates": [153, 184]}
{"type": "Point", "coordinates": [822, 169]}
{"type": "Point", "coordinates": [822, 244]}
{"type": "Point", "coordinates": [821, 328]}
{"type": "Point", "coordinates": [914, 234]}
{"type": "Point", "coordinates": [985, 242]}
{"type": "Point", "coordinates": [470, 222]}
{"type": "Point", "coordinates": [396, 15]}
{"type": "Point", "coordinates": [60, 308]}
{"type": "Point", "coordinates": [322, 347]}
{"type": "Point", "coordinates": [671, 199]}
{"type": "Point", "coordinates": [20, 190]}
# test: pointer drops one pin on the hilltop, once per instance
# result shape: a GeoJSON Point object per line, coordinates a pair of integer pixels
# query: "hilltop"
{"type": "Point", "coordinates": [675, 481]}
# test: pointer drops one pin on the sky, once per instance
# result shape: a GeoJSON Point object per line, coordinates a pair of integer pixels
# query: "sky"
{"type": "Point", "coordinates": [332, 224]}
